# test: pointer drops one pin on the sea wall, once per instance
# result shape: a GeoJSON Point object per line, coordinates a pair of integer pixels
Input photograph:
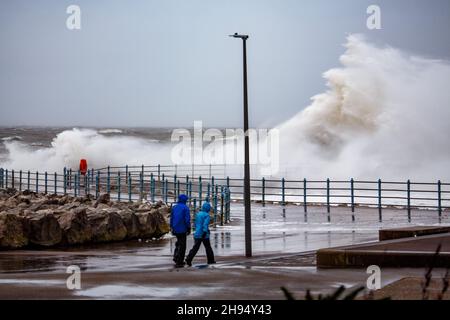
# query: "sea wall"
{"type": "Point", "coordinates": [35, 220]}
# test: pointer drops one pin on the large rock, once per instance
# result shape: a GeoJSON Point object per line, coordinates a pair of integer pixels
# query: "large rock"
{"type": "Point", "coordinates": [131, 222]}
{"type": "Point", "coordinates": [147, 226]}
{"type": "Point", "coordinates": [43, 229]}
{"type": "Point", "coordinates": [12, 233]}
{"type": "Point", "coordinates": [161, 223]}
{"type": "Point", "coordinates": [36, 219]}
{"type": "Point", "coordinates": [104, 198]}
{"type": "Point", "coordinates": [75, 226]}
{"type": "Point", "coordinates": [152, 224]}
{"type": "Point", "coordinates": [106, 226]}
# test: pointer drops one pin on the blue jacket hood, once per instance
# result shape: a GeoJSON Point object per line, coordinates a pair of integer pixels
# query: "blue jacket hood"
{"type": "Point", "coordinates": [206, 207]}
{"type": "Point", "coordinates": [182, 198]}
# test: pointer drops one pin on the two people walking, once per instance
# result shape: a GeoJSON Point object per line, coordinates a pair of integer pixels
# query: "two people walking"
{"type": "Point", "coordinates": [180, 224]}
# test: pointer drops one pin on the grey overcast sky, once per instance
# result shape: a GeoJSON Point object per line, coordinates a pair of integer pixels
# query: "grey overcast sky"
{"type": "Point", "coordinates": [170, 62]}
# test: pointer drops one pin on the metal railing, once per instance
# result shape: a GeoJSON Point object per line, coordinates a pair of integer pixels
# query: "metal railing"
{"type": "Point", "coordinates": [122, 186]}
{"type": "Point", "coordinates": [167, 182]}
{"type": "Point", "coordinates": [204, 170]}
{"type": "Point", "coordinates": [352, 193]}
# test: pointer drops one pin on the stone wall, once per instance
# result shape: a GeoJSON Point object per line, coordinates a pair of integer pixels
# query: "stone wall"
{"type": "Point", "coordinates": [29, 219]}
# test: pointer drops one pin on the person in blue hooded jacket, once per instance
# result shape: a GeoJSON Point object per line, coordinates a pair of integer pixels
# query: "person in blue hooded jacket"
{"type": "Point", "coordinates": [201, 235]}
{"type": "Point", "coordinates": [180, 225]}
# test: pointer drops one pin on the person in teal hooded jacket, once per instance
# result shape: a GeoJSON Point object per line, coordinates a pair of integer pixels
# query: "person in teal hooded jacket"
{"type": "Point", "coordinates": [201, 235]}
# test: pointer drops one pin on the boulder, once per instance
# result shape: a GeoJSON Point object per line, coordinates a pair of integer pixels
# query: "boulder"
{"type": "Point", "coordinates": [161, 222]}
{"type": "Point", "coordinates": [36, 219]}
{"type": "Point", "coordinates": [104, 198]}
{"type": "Point", "coordinates": [10, 203]}
{"type": "Point", "coordinates": [42, 229]}
{"type": "Point", "coordinates": [12, 233]}
{"type": "Point", "coordinates": [36, 205]}
{"type": "Point", "coordinates": [106, 226]}
{"type": "Point", "coordinates": [147, 227]}
{"type": "Point", "coordinates": [131, 222]}
{"type": "Point", "coordinates": [75, 226]}
{"type": "Point", "coordinates": [152, 224]}
{"type": "Point", "coordinates": [24, 199]}
{"type": "Point", "coordinates": [64, 200]}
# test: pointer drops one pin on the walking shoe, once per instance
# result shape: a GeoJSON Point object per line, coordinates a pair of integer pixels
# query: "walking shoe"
{"type": "Point", "coordinates": [213, 262]}
{"type": "Point", "coordinates": [189, 263]}
{"type": "Point", "coordinates": [179, 265]}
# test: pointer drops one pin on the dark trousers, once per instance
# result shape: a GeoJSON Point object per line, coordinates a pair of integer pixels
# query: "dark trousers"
{"type": "Point", "coordinates": [180, 248]}
{"type": "Point", "coordinates": [196, 247]}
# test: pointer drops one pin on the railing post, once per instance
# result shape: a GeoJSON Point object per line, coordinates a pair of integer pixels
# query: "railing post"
{"type": "Point", "coordinates": [75, 189]}
{"type": "Point", "coordinates": [152, 188]}
{"type": "Point", "coordinates": [87, 181]}
{"type": "Point", "coordinates": [108, 180]}
{"type": "Point", "coordinates": [380, 213]}
{"type": "Point", "coordinates": [178, 187]}
{"type": "Point", "coordinates": [92, 180]}
{"type": "Point", "coordinates": [65, 180]}
{"type": "Point", "coordinates": [163, 193]}
{"type": "Point", "coordinates": [97, 184]}
{"type": "Point", "coordinates": [215, 205]}
{"type": "Point", "coordinates": [208, 192]}
{"type": "Point", "coordinates": [37, 182]}
{"type": "Point", "coordinates": [12, 179]}
{"type": "Point", "coordinates": [1, 178]}
{"type": "Point", "coordinates": [352, 192]}
{"type": "Point", "coordinates": [28, 180]}
{"type": "Point", "coordinates": [228, 203]}
{"type": "Point", "coordinates": [20, 180]}
{"type": "Point", "coordinates": [79, 183]}
{"type": "Point", "coordinates": [175, 187]}
{"type": "Point", "coordinates": [167, 191]}
{"type": "Point", "coordinates": [126, 174]}
{"type": "Point", "coordinates": [141, 185]}
{"type": "Point", "coordinates": [190, 192]}
{"type": "Point", "coordinates": [70, 179]}
{"type": "Point", "coordinates": [129, 187]}
{"type": "Point", "coordinates": [221, 205]}
{"type": "Point", "coordinates": [263, 191]}
{"type": "Point", "coordinates": [440, 200]}
{"type": "Point", "coordinates": [305, 205]}
{"type": "Point", "coordinates": [187, 184]}
{"type": "Point", "coordinates": [283, 202]}
{"type": "Point", "coordinates": [328, 201]}
{"type": "Point", "coordinates": [118, 186]}
{"type": "Point", "coordinates": [408, 197]}
{"type": "Point", "coordinates": [200, 191]}
{"type": "Point", "coordinates": [6, 178]}
{"type": "Point", "coordinates": [159, 172]}
{"type": "Point", "coordinates": [55, 181]}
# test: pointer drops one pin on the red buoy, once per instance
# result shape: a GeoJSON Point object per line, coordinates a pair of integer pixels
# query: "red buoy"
{"type": "Point", "coordinates": [83, 166]}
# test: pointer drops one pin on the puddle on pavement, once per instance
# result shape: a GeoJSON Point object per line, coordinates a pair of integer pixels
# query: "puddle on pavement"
{"type": "Point", "coordinates": [142, 292]}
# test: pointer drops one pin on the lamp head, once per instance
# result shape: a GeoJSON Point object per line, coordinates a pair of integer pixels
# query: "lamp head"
{"type": "Point", "coordinates": [241, 36]}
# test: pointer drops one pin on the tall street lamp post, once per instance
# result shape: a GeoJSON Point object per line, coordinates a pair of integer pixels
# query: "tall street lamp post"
{"type": "Point", "coordinates": [247, 203]}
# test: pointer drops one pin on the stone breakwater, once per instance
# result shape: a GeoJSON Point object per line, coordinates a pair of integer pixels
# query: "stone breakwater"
{"type": "Point", "coordinates": [34, 220]}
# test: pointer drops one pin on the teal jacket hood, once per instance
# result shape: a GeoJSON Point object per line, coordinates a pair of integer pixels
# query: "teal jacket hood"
{"type": "Point", "coordinates": [202, 220]}
{"type": "Point", "coordinates": [206, 207]}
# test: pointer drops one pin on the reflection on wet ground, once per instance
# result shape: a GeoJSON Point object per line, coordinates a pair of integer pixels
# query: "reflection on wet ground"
{"type": "Point", "coordinates": [275, 230]}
